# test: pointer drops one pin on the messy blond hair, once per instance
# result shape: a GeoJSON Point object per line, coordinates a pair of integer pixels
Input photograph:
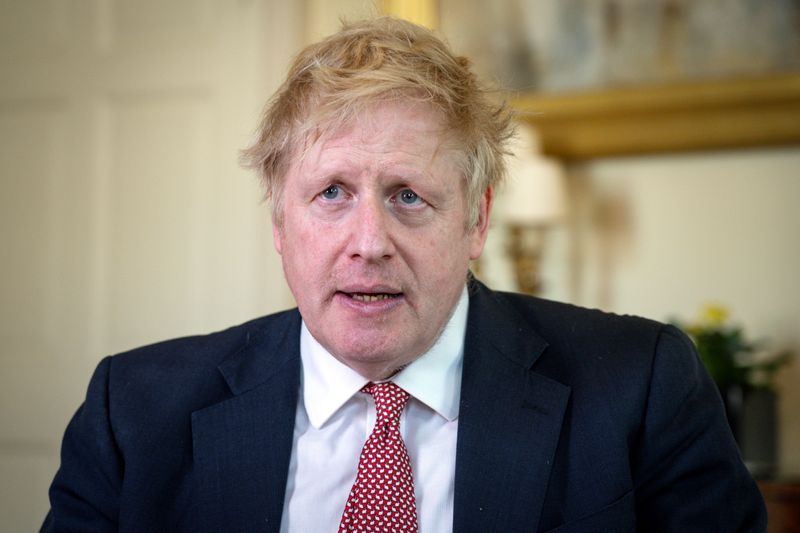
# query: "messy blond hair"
{"type": "Point", "coordinates": [371, 61]}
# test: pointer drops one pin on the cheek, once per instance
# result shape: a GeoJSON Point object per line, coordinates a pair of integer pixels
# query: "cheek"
{"type": "Point", "coordinates": [305, 277]}
{"type": "Point", "coordinates": [438, 257]}
{"type": "Point", "coordinates": [306, 249]}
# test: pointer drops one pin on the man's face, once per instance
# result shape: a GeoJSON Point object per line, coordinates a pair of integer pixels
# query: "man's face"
{"type": "Point", "coordinates": [373, 238]}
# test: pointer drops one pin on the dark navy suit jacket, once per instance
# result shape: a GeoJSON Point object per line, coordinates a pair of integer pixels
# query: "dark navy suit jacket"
{"type": "Point", "coordinates": [571, 420]}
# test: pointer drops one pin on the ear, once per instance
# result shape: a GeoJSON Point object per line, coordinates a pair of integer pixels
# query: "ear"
{"type": "Point", "coordinates": [481, 229]}
{"type": "Point", "coordinates": [277, 235]}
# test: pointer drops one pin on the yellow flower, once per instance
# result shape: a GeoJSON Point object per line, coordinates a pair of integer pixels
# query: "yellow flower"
{"type": "Point", "coordinates": [714, 315]}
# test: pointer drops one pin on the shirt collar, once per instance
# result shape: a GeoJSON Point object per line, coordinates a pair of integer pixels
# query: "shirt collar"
{"type": "Point", "coordinates": [434, 378]}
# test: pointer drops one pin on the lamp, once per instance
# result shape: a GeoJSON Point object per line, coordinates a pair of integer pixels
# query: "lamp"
{"type": "Point", "coordinates": [532, 201]}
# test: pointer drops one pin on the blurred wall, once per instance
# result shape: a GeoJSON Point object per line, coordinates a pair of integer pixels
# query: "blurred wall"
{"type": "Point", "coordinates": [324, 17]}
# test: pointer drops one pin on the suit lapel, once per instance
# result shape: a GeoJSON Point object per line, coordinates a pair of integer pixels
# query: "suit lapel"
{"type": "Point", "coordinates": [509, 421]}
{"type": "Point", "coordinates": [242, 446]}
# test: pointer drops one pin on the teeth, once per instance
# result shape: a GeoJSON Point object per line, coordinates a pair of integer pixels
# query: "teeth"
{"type": "Point", "coordinates": [370, 297]}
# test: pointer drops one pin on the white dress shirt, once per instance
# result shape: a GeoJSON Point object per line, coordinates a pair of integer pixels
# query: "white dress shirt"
{"type": "Point", "coordinates": [333, 420]}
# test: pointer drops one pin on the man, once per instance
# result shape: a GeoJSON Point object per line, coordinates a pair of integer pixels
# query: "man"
{"type": "Point", "coordinates": [491, 412]}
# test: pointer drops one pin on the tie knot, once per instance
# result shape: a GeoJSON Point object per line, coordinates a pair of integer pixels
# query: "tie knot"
{"type": "Point", "coordinates": [390, 400]}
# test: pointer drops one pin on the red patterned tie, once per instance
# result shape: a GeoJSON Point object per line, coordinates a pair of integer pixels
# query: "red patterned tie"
{"type": "Point", "coordinates": [382, 498]}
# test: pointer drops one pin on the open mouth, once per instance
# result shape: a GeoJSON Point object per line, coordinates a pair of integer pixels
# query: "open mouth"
{"type": "Point", "coordinates": [371, 297]}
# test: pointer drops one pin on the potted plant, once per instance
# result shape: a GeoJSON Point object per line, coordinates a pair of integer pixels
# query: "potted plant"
{"type": "Point", "coordinates": [744, 372]}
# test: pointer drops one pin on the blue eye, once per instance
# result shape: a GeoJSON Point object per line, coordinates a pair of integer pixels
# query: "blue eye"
{"type": "Point", "coordinates": [409, 197]}
{"type": "Point", "coordinates": [331, 192]}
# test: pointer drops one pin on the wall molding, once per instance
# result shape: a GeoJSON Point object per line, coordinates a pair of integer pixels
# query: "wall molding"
{"type": "Point", "coordinates": [666, 118]}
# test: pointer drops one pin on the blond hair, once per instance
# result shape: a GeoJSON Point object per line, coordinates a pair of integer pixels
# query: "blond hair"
{"type": "Point", "coordinates": [372, 61]}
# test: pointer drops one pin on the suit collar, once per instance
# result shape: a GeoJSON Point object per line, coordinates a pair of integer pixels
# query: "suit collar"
{"type": "Point", "coordinates": [509, 422]}
{"type": "Point", "coordinates": [242, 446]}
{"type": "Point", "coordinates": [267, 350]}
{"type": "Point", "coordinates": [493, 320]}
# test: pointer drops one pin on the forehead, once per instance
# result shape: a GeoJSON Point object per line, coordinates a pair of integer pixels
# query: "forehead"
{"type": "Point", "coordinates": [390, 132]}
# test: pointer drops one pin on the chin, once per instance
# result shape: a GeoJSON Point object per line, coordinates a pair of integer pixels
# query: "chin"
{"type": "Point", "coordinates": [368, 354]}
{"type": "Point", "coordinates": [362, 356]}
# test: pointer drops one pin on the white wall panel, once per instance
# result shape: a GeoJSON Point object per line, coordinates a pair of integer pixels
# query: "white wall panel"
{"type": "Point", "coordinates": [34, 27]}
{"type": "Point", "coordinates": [157, 200]}
{"type": "Point", "coordinates": [142, 25]}
{"type": "Point", "coordinates": [25, 474]}
{"type": "Point", "coordinates": [29, 152]}
{"type": "Point", "coordinates": [124, 217]}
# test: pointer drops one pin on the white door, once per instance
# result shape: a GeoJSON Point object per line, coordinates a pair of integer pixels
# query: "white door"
{"type": "Point", "coordinates": [124, 218]}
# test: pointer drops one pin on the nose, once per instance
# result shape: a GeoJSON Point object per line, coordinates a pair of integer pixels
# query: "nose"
{"type": "Point", "coordinates": [370, 231]}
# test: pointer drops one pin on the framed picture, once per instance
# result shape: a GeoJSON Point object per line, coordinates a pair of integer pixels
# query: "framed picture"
{"type": "Point", "coordinates": [610, 77]}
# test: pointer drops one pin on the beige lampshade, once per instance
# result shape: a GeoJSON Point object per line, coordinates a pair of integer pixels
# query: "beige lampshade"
{"type": "Point", "coordinates": [534, 193]}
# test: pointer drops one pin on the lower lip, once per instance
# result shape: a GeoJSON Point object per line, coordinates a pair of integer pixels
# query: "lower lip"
{"type": "Point", "coordinates": [368, 308]}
